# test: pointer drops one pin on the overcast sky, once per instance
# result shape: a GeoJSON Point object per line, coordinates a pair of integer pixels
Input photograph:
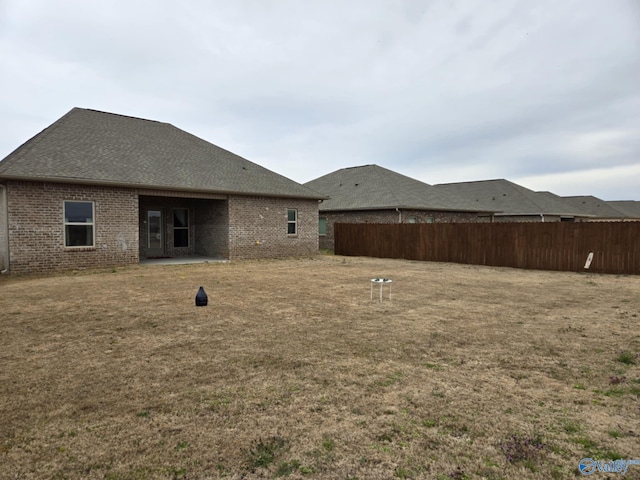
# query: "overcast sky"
{"type": "Point", "coordinates": [545, 93]}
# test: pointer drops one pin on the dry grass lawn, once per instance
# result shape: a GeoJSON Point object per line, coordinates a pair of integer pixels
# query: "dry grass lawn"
{"type": "Point", "coordinates": [293, 372]}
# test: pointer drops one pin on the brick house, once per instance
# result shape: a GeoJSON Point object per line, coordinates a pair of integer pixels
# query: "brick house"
{"type": "Point", "coordinates": [601, 210]}
{"type": "Point", "coordinates": [629, 208]}
{"type": "Point", "coordinates": [515, 203]}
{"type": "Point", "coordinates": [373, 194]}
{"type": "Point", "coordinates": [97, 189]}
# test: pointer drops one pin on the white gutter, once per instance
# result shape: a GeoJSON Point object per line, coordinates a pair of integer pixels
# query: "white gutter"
{"type": "Point", "coordinates": [6, 219]}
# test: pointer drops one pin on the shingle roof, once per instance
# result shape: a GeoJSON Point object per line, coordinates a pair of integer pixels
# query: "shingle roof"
{"type": "Point", "coordinates": [509, 198]}
{"type": "Point", "coordinates": [595, 206]}
{"type": "Point", "coordinates": [371, 187]}
{"type": "Point", "coordinates": [88, 146]}
{"type": "Point", "coordinates": [630, 208]}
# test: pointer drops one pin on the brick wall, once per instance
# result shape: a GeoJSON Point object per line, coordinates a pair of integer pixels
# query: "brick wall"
{"type": "Point", "coordinates": [258, 227]}
{"type": "Point", "coordinates": [3, 232]}
{"type": "Point", "coordinates": [391, 216]}
{"type": "Point", "coordinates": [36, 227]}
{"type": "Point", "coordinates": [212, 228]}
{"type": "Point", "coordinates": [240, 227]}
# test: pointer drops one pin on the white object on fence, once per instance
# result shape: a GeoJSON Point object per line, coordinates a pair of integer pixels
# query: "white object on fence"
{"type": "Point", "coordinates": [589, 260]}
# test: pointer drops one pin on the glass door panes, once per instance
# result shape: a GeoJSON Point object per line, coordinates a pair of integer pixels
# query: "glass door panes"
{"type": "Point", "coordinates": [154, 222]}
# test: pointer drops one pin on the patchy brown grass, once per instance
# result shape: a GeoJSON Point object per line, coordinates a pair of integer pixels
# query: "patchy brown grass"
{"type": "Point", "coordinates": [292, 371]}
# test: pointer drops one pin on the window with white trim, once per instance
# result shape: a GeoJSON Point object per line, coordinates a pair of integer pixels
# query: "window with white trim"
{"type": "Point", "coordinates": [180, 227]}
{"type": "Point", "coordinates": [79, 224]}
{"type": "Point", "coordinates": [292, 221]}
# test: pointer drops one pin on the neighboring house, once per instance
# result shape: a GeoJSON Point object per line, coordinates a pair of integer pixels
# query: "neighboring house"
{"type": "Point", "coordinates": [513, 202]}
{"type": "Point", "coordinates": [629, 208]}
{"type": "Point", "coordinates": [99, 189]}
{"type": "Point", "coordinates": [598, 208]}
{"type": "Point", "coordinates": [373, 194]}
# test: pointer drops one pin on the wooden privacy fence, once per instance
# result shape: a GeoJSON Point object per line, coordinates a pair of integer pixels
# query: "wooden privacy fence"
{"type": "Point", "coordinates": [542, 246]}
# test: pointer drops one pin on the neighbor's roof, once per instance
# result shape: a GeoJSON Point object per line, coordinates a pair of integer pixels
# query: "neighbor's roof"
{"type": "Point", "coordinates": [371, 187]}
{"type": "Point", "coordinates": [593, 206]}
{"type": "Point", "coordinates": [630, 208]}
{"type": "Point", "coordinates": [88, 146]}
{"type": "Point", "coordinates": [510, 198]}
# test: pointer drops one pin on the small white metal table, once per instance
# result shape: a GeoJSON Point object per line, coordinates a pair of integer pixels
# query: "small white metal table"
{"type": "Point", "coordinates": [382, 282]}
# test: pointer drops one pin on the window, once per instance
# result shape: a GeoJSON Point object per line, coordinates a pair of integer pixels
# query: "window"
{"type": "Point", "coordinates": [292, 221]}
{"type": "Point", "coordinates": [428, 219]}
{"type": "Point", "coordinates": [322, 226]}
{"type": "Point", "coordinates": [78, 224]}
{"type": "Point", "coordinates": [180, 227]}
{"type": "Point", "coordinates": [412, 220]}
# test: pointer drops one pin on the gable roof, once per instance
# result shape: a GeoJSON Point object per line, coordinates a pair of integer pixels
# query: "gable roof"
{"type": "Point", "coordinates": [88, 146]}
{"type": "Point", "coordinates": [509, 198]}
{"type": "Point", "coordinates": [593, 206]}
{"type": "Point", "coordinates": [629, 208]}
{"type": "Point", "coordinates": [371, 187]}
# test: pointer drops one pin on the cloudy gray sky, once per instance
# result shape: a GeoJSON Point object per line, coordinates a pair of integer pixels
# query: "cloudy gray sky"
{"type": "Point", "coordinates": [545, 93]}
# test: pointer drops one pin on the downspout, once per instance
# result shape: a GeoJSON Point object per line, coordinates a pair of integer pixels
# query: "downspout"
{"type": "Point", "coordinates": [6, 236]}
{"type": "Point", "coordinates": [399, 215]}
{"type": "Point", "coordinates": [542, 217]}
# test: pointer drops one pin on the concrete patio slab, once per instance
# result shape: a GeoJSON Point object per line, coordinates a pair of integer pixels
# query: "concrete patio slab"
{"type": "Point", "coordinates": [181, 260]}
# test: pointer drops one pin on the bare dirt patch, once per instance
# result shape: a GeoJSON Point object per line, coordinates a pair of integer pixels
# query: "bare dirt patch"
{"type": "Point", "coordinates": [292, 371]}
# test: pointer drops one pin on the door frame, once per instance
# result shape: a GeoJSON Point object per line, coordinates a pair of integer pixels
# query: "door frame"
{"type": "Point", "coordinates": [160, 250]}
